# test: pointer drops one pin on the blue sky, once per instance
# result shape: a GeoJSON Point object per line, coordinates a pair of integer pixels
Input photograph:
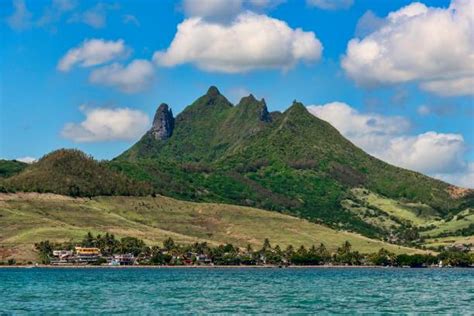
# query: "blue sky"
{"type": "Point", "coordinates": [90, 74]}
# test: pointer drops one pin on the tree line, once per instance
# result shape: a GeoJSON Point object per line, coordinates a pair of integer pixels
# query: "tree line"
{"type": "Point", "coordinates": [171, 253]}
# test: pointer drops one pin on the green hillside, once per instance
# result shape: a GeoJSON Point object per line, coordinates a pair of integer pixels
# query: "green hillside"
{"type": "Point", "coordinates": [73, 173]}
{"type": "Point", "coordinates": [10, 168]}
{"type": "Point", "coordinates": [290, 162]}
{"type": "Point", "coordinates": [27, 218]}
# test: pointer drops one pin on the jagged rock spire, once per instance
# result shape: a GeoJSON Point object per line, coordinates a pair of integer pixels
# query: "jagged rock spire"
{"type": "Point", "coordinates": [163, 123]}
{"type": "Point", "coordinates": [264, 114]}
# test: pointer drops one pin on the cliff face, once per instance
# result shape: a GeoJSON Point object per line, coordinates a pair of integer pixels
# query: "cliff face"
{"type": "Point", "coordinates": [163, 123]}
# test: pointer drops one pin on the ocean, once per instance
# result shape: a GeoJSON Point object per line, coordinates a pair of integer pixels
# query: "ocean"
{"type": "Point", "coordinates": [174, 291]}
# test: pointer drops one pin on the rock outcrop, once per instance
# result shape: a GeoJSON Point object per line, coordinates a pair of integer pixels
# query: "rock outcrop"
{"type": "Point", "coordinates": [265, 116]}
{"type": "Point", "coordinates": [163, 123]}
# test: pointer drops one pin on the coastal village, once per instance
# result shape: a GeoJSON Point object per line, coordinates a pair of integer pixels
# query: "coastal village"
{"type": "Point", "coordinates": [93, 256]}
{"type": "Point", "coordinates": [106, 250]}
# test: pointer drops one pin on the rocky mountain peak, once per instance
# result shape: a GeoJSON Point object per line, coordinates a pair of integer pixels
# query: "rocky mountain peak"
{"type": "Point", "coordinates": [251, 101]}
{"type": "Point", "coordinates": [213, 91]}
{"type": "Point", "coordinates": [163, 123]}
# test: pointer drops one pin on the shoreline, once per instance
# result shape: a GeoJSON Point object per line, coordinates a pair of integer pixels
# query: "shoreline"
{"type": "Point", "coordinates": [216, 267]}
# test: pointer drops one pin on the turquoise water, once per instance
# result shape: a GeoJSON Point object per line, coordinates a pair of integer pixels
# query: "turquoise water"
{"type": "Point", "coordinates": [231, 291]}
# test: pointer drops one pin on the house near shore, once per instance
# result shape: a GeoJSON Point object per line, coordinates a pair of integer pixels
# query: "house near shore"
{"type": "Point", "coordinates": [62, 256]}
{"type": "Point", "coordinates": [123, 260]}
{"type": "Point", "coordinates": [87, 254]}
{"type": "Point", "coordinates": [203, 259]}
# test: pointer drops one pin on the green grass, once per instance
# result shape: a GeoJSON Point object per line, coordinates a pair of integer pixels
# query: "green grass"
{"type": "Point", "coordinates": [417, 214]}
{"type": "Point", "coordinates": [460, 221]}
{"type": "Point", "coordinates": [449, 241]}
{"type": "Point", "coordinates": [29, 218]}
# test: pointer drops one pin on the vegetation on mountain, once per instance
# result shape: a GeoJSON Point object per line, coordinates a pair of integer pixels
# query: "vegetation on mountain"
{"type": "Point", "coordinates": [290, 162]}
{"type": "Point", "coordinates": [10, 168]}
{"type": "Point", "coordinates": [29, 218]}
{"type": "Point", "coordinates": [73, 173]}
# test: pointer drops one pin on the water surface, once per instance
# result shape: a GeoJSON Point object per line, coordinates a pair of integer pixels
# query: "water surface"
{"type": "Point", "coordinates": [248, 291]}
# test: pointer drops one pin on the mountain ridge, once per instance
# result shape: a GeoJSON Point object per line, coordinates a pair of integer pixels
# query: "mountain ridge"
{"type": "Point", "coordinates": [291, 162]}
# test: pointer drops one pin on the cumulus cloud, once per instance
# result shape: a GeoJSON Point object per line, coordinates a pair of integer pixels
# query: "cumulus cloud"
{"type": "Point", "coordinates": [219, 10]}
{"type": "Point", "coordinates": [26, 159]}
{"type": "Point", "coordinates": [224, 10]}
{"type": "Point", "coordinates": [21, 17]}
{"type": "Point", "coordinates": [433, 46]}
{"type": "Point", "coordinates": [368, 23]}
{"type": "Point", "coordinates": [134, 77]}
{"type": "Point", "coordinates": [91, 53]}
{"type": "Point", "coordinates": [103, 124]}
{"type": "Point", "coordinates": [330, 4]}
{"type": "Point", "coordinates": [450, 87]}
{"type": "Point", "coordinates": [388, 137]}
{"type": "Point", "coordinates": [367, 130]}
{"type": "Point", "coordinates": [429, 152]}
{"type": "Point", "coordinates": [251, 41]}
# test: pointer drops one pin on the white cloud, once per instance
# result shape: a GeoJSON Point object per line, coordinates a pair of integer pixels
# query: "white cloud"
{"type": "Point", "coordinates": [368, 23]}
{"type": "Point", "coordinates": [368, 131]}
{"type": "Point", "coordinates": [262, 4]}
{"type": "Point", "coordinates": [429, 152]}
{"type": "Point", "coordinates": [250, 42]}
{"type": "Point", "coordinates": [450, 87]}
{"type": "Point", "coordinates": [434, 46]}
{"type": "Point", "coordinates": [21, 18]}
{"type": "Point", "coordinates": [103, 124]}
{"type": "Point", "coordinates": [95, 16]}
{"type": "Point", "coordinates": [26, 159]}
{"type": "Point", "coordinates": [91, 53]}
{"type": "Point", "coordinates": [225, 10]}
{"type": "Point", "coordinates": [55, 11]}
{"type": "Point", "coordinates": [330, 4]}
{"type": "Point", "coordinates": [464, 178]}
{"type": "Point", "coordinates": [219, 10]}
{"type": "Point", "coordinates": [134, 77]}
{"type": "Point", "coordinates": [387, 137]}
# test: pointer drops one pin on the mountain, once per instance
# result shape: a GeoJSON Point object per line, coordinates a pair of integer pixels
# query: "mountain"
{"type": "Point", "coordinates": [71, 172]}
{"type": "Point", "coordinates": [207, 129]}
{"type": "Point", "coordinates": [291, 162]}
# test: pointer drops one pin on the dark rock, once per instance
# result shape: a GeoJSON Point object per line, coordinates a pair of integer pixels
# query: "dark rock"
{"type": "Point", "coordinates": [265, 116]}
{"type": "Point", "coordinates": [163, 123]}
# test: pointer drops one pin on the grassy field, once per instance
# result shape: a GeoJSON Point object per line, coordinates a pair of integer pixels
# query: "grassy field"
{"type": "Point", "coordinates": [449, 241]}
{"type": "Point", "coordinates": [458, 222]}
{"type": "Point", "coordinates": [29, 217]}
{"type": "Point", "coordinates": [417, 214]}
